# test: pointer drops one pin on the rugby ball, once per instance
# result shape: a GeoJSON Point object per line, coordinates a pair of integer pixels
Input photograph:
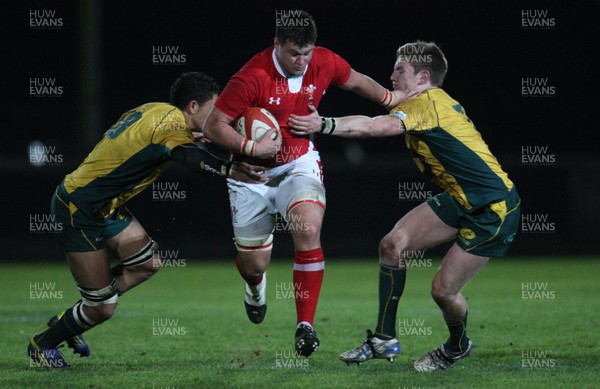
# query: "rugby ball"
{"type": "Point", "coordinates": [255, 121]}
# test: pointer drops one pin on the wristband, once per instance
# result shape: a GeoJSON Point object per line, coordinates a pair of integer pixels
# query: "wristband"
{"type": "Point", "coordinates": [327, 126]}
{"type": "Point", "coordinates": [387, 99]}
{"type": "Point", "coordinates": [247, 147]}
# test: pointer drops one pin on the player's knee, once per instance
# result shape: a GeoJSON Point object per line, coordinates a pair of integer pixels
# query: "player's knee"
{"type": "Point", "coordinates": [253, 265]}
{"type": "Point", "coordinates": [154, 266]}
{"type": "Point", "coordinates": [386, 247]}
{"type": "Point", "coordinates": [307, 235]}
{"type": "Point", "coordinates": [304, 214]}
{"type": "Point", "coordinates": [254, 254]}
{"type": "Point", "coordinates": [145, 254]}
{"type": "Point", "coordinates": [391, 248]}
{"type": "Point", "coordinates": [100, 303]}
{"type": "Point", "coordinates": [253, 271]}
{"type": "Point", "coordinates": [151, 267]}
{"type": "Point", "coordinates": [102, 313]}
{"type": "Point", "coordinates": [146, 262]}
{"type": "Point", "coordinates": [310, 229]}
{"type": "Point", "coordinates": [440, 294]}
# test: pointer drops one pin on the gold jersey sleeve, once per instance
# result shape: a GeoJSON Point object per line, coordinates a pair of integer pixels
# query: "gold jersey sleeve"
{"type": "Point", "coordinates": [132, 154]}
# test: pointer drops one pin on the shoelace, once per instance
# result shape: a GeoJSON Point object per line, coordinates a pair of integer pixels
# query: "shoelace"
{"type": "Point", "coordinates": [439, 358]}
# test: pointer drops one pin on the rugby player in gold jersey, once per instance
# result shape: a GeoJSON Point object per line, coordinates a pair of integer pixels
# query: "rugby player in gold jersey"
{"type": "Point", "coordinates": [89, 203]}
{"type": "Point", "coordinates": [478, 210]}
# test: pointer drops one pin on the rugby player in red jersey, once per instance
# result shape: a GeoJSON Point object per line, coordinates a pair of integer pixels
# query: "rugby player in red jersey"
{"type": "Point", "coordinates": [285, 79]}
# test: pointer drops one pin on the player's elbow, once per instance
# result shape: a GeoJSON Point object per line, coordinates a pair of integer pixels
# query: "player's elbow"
{"type": "Point", "coordinates": [368, 129]}
{"type": "Point", "coordinates": [373, 128]}
{"type": "Point", "coordinates": [385, 126]}
{"type": "Point", "coordinates": [357, 127]}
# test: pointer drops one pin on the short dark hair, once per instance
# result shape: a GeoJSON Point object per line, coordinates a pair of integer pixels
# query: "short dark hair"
{"type": "Point", "coordinates": [425, 56]}
{"type": "Point", "coordinates": [193, 86]}
{"type": "Point", "coordinates": [296, 26]}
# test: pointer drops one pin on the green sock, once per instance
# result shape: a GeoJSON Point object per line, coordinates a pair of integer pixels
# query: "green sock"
{"type": "Point", "coordinates": [391, 286]}
{"type": "Point", "coordinates": [458, 341]}
{"type": "Point", "coordinates": [66, 327]}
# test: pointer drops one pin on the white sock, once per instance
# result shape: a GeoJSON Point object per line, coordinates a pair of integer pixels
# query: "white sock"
{"type": "Point", "coordinates": [305, 323]}
{"type": "Point", "coordinates": [255, 295]}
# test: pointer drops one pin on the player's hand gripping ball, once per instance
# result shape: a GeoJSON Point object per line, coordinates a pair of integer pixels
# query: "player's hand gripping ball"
{"type": "Point", "coordinates": [255, 121]}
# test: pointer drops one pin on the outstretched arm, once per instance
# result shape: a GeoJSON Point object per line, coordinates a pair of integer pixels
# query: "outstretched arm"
{"type": "Point", "coordinates": [370, 89]}
{"type": "Point", "coordinates": [356, 126]}
{"type": "Point", "coordinates": [202, 161]}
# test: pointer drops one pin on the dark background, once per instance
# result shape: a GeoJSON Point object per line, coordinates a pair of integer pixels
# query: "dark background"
{"type": "Point", "coordinates": [102, 57]}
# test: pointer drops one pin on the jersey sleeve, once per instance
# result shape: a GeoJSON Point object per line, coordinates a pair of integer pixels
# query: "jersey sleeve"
{"type": "Point", "coordinates": [200, 160]}
{"type": "Point", "coordinates": [341, 69]}
{"type": "Point", "coordinates": [172, 132]}
{"type": "Point", "coordinates": [417, 115]}
{"type": "Point", "coordinates": [240, 93]}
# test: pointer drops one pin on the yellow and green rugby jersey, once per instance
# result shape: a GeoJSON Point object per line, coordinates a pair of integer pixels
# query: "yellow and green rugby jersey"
{"type": "Point", "coordinates": [132, 154]}
{"type": "Point", "coordinates": [449, 150]}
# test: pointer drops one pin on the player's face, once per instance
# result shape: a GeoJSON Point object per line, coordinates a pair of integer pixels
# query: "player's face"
{"type": "Point", "coordinates": [291, 58]}
{"type": "Point", "coordinates": [200, 113]}
{"type": "Point", "coordinates": [403, 77]}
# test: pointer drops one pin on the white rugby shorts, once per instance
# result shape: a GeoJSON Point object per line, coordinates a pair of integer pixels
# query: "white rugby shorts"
{"type": "Point", "coordinates": [253, 203]}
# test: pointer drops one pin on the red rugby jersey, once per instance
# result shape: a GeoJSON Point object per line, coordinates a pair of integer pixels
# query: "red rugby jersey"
{"type": "Point", "coordinates": [262, 83]}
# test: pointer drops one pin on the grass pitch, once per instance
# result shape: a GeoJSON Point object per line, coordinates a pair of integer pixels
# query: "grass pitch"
{"type": "Point", "coordinates": [534, 322]}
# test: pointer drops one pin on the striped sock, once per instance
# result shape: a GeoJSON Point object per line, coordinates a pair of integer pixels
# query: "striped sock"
{"type": "Point", "coordinates": [73, 322]}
